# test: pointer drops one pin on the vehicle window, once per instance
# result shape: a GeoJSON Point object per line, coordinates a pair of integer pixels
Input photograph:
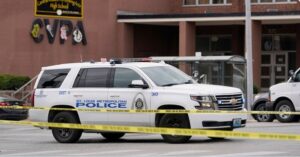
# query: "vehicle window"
{"type": "Point", "coordinates": [93, 77]}
{"type": "Point", "coordinates": [167, 76]}
{"type": "Point", "coordinates": [123, 77]}
{"type": "Point", "coordinates": [53, 78]}
{"type": "Point", "coordinates": [297, 77]}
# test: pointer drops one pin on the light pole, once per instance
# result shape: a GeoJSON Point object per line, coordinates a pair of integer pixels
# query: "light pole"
{"type": "Point", "coordinates": [248, 54]}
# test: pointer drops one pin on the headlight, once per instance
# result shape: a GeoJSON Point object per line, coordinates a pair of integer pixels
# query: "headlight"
{"type": "Point", "coordinates": [205, 102]}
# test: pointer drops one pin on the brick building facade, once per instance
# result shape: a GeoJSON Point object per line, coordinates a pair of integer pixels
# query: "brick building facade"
{"type": "Point", "coordinates": [142, 28]}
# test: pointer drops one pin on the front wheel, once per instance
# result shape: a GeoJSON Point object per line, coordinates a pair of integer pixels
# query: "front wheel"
{"type": "Point", "coordinates": [175, 121]}
{"type": "Point", "coordinates": [285, 106]}
{"type": "Point", "coordinates": [112, 136]}
{"type": "Point", "coordinates": [63, 135]}
{"type": "Point", "coordinates": [263, 117]}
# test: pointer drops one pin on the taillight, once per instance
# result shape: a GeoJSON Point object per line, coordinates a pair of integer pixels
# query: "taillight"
{"type": "Point", "coordinates": [32, 98]}
{"type": "Point", "coordinates": [3, 104]}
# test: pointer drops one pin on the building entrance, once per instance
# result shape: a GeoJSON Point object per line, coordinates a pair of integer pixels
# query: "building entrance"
{"type": "Point", "coordinates": [274, 68]}
{"type": "Point", "coordinates": [277, 58]}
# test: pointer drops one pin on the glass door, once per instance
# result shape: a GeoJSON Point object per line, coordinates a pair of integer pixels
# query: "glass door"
{"type": "Point", "coordinates": [280, 68]}
{"type": "Point", "coordinates": [274, 69]}
{"type": "Point", "coordinates": [266, 71]}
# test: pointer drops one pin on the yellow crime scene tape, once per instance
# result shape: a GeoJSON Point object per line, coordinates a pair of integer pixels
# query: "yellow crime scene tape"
{"type": "Point", "coordinates": [168, 111]}
{"type": "Point", "coordinates": [167, 131]}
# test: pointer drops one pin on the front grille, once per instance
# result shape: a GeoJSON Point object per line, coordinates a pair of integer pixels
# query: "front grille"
{"type": "Point", "coordinates": [230, 102]}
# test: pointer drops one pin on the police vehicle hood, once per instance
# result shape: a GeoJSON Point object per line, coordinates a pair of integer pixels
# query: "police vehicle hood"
{"type": "Point", "coordinates": [206, 89]}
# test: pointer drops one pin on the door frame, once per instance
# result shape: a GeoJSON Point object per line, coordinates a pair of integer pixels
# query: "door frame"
{"type": "Point", "coordinates": [273, 65]}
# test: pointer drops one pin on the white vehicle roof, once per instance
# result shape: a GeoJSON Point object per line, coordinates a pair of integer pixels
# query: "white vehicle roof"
{"type": "Point", "coordinates": [201, 58]}
{"type": "Point", "coordinates": [102, 64]}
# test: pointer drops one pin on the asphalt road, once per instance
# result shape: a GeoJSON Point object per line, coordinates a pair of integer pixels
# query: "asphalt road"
{"type": "Point", "coordinates": [34, 142]}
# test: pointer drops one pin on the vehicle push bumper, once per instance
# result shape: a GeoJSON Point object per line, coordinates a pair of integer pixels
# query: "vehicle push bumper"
{"type": "Point", "coordinates": [218, 120]}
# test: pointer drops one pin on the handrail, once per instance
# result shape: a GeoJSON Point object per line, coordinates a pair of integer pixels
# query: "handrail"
{"type": "Point", "coordinates": [25, 85]}
{"type": "Point", "coordinates": [24, 93]}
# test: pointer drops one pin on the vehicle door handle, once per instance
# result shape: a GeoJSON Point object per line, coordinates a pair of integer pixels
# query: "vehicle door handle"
{"type": "Point", "coordinates": [77, 96]}
{"type": "Point", "coordinates": [114, 96]}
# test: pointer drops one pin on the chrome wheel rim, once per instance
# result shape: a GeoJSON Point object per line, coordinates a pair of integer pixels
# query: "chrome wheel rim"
{"type": "Point", "coordinates": [284, 108]}
{"type": "Point", "coordinates": [62, 132]}
{"type": "Point", "coordinates": [262, 117]}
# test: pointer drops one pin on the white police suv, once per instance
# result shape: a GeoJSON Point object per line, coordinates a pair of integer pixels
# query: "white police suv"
{"type": "Point", "coordinates": [123, 86]}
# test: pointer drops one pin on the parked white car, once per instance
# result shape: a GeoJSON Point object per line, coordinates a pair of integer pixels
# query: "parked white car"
{"type": "Point", "coordinates": [286, 97]}
{"type": "Point", "coordinates": [126, 86]}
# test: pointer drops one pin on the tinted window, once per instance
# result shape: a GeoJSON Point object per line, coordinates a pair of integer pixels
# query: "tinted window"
{"type": "Point", "coordinates": [94, 77]}
{"type": "Point", "coordinates": [167, 76]}
{"type": "Point", "coordinates": [53, 78]}
{"type": "Point", "coordinates": [297, 77]}
{"type": "Point", "coordinates": [123, 77]}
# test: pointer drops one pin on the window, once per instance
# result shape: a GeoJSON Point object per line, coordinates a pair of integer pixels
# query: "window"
{"type": "Point", "coordinates": [214, 43]}
{"type": "Point", "coordinates": [205, 2]}
{"type": "Point", "coordinates": [167, 76]}
{"type": "Point", "coordinates": [189, 2]}
{"type": "Point", "coordinates": [218, 1]}
{"type": "Point", "coordinates": [53, 78]}
{"type": "Point", "coordinates": [278, 42]}
{"type": "Point", "coordinates": [272, 1]}
{"type": "Point", "coordinates": [93, 77]}
{"type": "Point", "coordinates": [297, 77]}
{"type": "Point", "coordinates": [123, 77]}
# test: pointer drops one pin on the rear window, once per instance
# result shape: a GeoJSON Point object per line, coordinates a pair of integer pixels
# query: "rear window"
{"type": "Point", "coordinates": [92, 78]}
{"type": "Point", "coordinates": [53, 78]}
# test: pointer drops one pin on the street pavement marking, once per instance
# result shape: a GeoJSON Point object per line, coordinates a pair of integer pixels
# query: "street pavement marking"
{"type": "Point", "coordinates": [36, 153]}
{"type": "Point", "coordinates": [185, 152]}
{"type": "Point", "coordinates": [105, 152]}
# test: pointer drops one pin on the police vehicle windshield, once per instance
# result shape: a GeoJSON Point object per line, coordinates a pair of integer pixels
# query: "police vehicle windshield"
{"type": "Point", "coordinates": [167, 76]}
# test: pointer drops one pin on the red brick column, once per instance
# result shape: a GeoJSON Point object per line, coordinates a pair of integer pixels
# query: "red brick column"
{"type": "Point", "coordinates": [256, 46]}
{"type": "Point", "coordinates": [125, 40]}
{"type": "Point", "coordinates": [187, 41]}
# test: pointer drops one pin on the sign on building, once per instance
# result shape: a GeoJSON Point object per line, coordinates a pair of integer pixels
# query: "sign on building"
{"type": "Point", "coordinates": [59, 8]}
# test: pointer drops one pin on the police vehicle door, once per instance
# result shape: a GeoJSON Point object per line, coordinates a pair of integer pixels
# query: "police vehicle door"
{"type": "Point", "coordinates": [124, 97]}
{"type": "Point", "coordinates": [90, 92]}
{"type": "Point", "coordinates": [295, 90]}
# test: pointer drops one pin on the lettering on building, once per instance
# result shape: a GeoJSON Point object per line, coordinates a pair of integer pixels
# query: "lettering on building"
{"type": "Point", "coordinates": [65, 28]}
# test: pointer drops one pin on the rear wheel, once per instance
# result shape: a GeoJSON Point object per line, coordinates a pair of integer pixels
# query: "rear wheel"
{"type": "Point", "coordinates": [175, 121]}
{"type": "Point", "coordinates": [112, 136]}
{"type": "Point", "coordinates": [63, 135]}
{"type": "Point", "coordinates": [285, 106]}
{"type": "Point", "coordinates": [263, 117]}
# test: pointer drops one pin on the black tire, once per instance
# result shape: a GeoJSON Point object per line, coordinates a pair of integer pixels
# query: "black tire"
{"type": "Point", "coordinates": [263, 117]}
{"type": "Point", "coordinates": [287, 106]}
{"type": "Point", "coordinates": [112, 136]}
{"type": "Point", "coordinates": [175, 121]}
{"type": "Point", "coordinates": [66, 135]}
{"type": "Point", "coordinates": [221, 138]}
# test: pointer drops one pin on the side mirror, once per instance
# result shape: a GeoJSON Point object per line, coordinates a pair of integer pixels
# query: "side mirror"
{"type": "Point", "coordinates": [138, 84]}
{"type": "Point", "coordinates": [291, 72]}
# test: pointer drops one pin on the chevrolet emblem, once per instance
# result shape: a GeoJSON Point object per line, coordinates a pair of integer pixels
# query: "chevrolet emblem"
{"type": "Point", "coordinates": [233, 101]}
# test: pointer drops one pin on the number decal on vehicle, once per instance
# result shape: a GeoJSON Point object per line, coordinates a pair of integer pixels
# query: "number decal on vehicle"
{"type": "Point", "coordinates": [154, 93]}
